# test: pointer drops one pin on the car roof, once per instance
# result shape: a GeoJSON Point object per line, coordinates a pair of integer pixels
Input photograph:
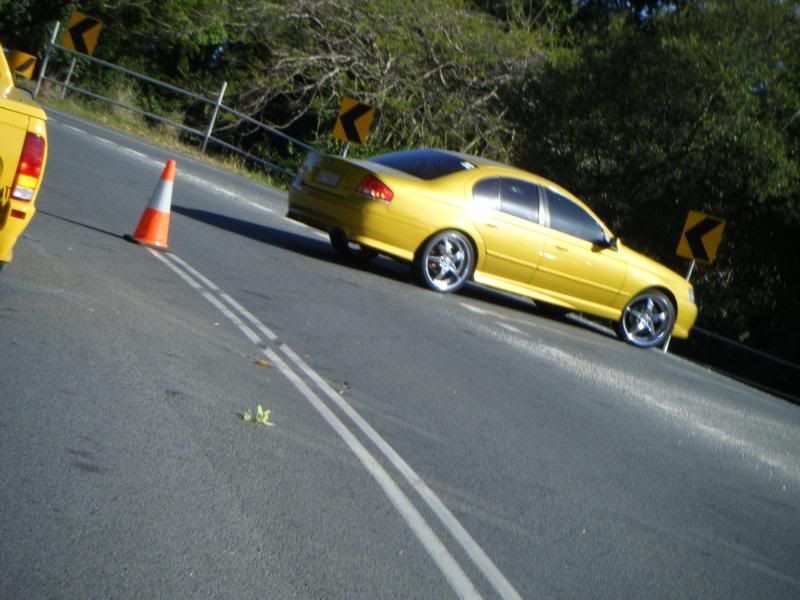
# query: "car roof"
{"type": "Point", "coordinates": [483, 167]}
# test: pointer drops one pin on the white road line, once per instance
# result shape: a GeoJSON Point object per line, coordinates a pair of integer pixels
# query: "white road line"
{"type": "Point", "coordinates": [81, 131]}
{"type": "Point", "coordinates": [250, 317]}
{"type": "Point", "coordinates": [259, 207]}
{"type": "Point", "coordinates": [182, 176]}
{"type": "Point", "coordinates": [176, 269]}
{"type": "Point", "coordinates": [133, 152]}
{"type": "Point", "coordinates": [206, 282]}
{"type": "Point", "coordinates": [104, 141]}
{"type": "Point", "coordinates": [475, 309]}
{"type": "Point", "coordinates": [249, 333]}
{"type": "Point", "coordinates": [449, 567]}
{"type": "Point", "coordinates": [465, 540]}
{"type": "Point", "coordinates": [509, 327]}
{"type": "Point", "coordinates": [447, 564]}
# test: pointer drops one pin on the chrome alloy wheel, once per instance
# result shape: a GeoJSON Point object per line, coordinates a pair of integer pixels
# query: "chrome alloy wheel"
{"type": "Point", "coordinates": [446, 261]}
{"type": "Point", "coordinates": [647, 319]}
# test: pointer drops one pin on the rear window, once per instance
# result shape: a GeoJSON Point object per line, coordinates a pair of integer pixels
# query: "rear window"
{"type": "Point", "coordinates": [425, 164]}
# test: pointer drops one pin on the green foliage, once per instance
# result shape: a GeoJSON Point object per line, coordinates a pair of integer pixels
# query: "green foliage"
{"type": "Point", "coordinates": [695, 111]}
{"type": "Point", "coordinates": [260, 418]}
{"type": "Point", "coordinates": [24, 23]}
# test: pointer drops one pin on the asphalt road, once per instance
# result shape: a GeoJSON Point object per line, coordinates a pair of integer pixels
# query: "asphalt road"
{"type": "Point", "coordinates": [423, 446]}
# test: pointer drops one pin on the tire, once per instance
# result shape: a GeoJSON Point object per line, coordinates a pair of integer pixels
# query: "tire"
{"type": "Point", "coordinates": [646, 320]}
{"type": "Point", "coordinates": [350, 251]}
{"type": "Point", "coordinates": [445, 263]}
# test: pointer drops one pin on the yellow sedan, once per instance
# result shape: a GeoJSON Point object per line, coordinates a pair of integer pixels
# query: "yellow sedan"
{"type": "Point", "coordinates": [457, 218]}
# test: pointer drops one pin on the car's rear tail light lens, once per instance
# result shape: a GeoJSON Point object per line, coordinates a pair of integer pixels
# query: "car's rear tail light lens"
{"type": "Point", "coordinates": [29, 169]}
{"type": "Point", "coordinates": [374, 188]}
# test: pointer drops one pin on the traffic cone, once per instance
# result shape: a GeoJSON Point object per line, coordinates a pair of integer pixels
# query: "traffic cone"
{"type": "Point", "coordinates": [153, 227]}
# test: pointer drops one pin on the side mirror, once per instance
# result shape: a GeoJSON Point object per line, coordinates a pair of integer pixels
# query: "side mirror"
{"type": "Point", "coordinates": [606, 242]}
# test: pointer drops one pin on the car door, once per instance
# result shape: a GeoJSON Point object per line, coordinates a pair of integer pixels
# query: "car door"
{"type": "Point", "coordinates": [507, 217]}
{"type": "Point", "coordinates": [575, 264]}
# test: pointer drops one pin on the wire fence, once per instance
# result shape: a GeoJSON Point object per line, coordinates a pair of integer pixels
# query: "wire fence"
{"type": "Point", "coordinates": [215, 104]}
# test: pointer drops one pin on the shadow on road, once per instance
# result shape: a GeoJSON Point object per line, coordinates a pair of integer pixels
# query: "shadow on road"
{"type": "Point", "coordinates": [307, 245]}
{"type": "Point", "coordinates": [73, 222]}
{"type": "Point", "coordinates": [316, 248]}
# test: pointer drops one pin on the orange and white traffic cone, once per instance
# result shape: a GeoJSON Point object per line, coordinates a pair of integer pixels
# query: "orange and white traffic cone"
{"type": "Point", "coordinates": [153, 228]}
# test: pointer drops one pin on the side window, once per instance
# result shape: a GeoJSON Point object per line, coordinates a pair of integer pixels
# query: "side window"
{"type": "Point", "coordinates": [519, 198]}
{"type": "Point", "coordinates": [568, 217]}
{"type": "Point", "coordinates": [485, 192]}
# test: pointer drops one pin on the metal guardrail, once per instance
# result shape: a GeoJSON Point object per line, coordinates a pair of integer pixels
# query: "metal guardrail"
{"type": "Point", "coordinates": [217, 104]}
{"type": "Point", "coordinates": [749, 365]}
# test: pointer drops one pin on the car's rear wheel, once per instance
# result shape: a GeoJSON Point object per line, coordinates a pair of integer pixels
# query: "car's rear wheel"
{"type": "Point", "coordinates": [350, 250]}
{"type": "Point", "coordinates": [647, 319]}
{"type": "Point", "coordinates": [445, 262]}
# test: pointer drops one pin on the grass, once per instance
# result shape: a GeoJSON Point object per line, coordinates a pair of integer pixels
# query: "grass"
{"type": "Point", "coordinates": [160, 134]}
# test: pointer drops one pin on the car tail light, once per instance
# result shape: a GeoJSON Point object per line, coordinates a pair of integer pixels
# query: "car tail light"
{"type": "Point", "coordinates": [29, 169]}
{"type": "Point", "coordinates": [374, 188]}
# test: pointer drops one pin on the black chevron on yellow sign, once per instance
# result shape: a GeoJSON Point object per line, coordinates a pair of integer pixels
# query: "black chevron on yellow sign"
{"type": "Point", "coordinates": [82, 33]}
{"type": "Point", "coordinates": [22, 63]}
{"type": "Point", "coordinates": [352, 124]}
{"type": "Point", "coordinates": [701, 237]}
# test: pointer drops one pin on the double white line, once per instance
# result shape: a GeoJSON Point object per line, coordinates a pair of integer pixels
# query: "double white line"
{"type": "Point", "coordinates": [260, 334]}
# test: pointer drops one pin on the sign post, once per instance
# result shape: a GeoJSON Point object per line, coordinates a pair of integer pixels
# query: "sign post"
{"type": "Point", "coordinates": [81, 36]}
{"type": "Point", "coordinates": [46, 59]}
{"type": "Point", "coordinates": [698, 242]}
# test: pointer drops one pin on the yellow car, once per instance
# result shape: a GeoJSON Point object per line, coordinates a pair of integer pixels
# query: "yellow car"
{"type": "Point", "coordinates": [456, 218]}
{"type": "Point", "coordinates": [23, 155]}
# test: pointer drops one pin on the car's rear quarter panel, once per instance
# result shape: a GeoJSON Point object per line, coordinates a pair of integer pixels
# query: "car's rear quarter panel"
{"type": "Point", "coordinates": [19, 114]}
{"type": "Point", "coordinates": [419, 208]}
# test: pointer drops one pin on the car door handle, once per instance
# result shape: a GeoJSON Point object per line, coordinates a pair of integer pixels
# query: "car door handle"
{"type": "Point", "coordinates": [492, 225]}
{"type": "Point", "coordinates": [564, 248]}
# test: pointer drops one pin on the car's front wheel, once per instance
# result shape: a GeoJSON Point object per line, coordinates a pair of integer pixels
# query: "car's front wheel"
{"type": "Point", "coordinates": [350, 250]}
{"type": "Point", "coordinates": [647, 319]}
{"type": "Point", "coordinates": [445, 262]}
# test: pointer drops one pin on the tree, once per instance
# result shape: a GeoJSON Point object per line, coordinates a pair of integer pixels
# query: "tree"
{"type": "Point", "coordinates": [694, 111]}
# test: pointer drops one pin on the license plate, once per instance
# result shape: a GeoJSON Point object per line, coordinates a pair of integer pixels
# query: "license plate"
{"type": "Point", "coordinates": [328, 178]}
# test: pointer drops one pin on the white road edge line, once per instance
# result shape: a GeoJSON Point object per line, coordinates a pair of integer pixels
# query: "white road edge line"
{"type": "Point", "coordinates": [104, 140]}
{"type": "Point", "coordinates": [74, 128]}
{"type": "Point", "coordinates": [198, 275]}
{"type": "Point", "coordinates": [475, 309]}
{"type": "Point", "coordinates": [259, 207]}
{"type": "Point", "coordinates": [509, 327]}
{"type": "Point", "coordinates": [447, 564]}
{"type": "Point", "coordinates": [498, 581]}
{"type": "Point", "coordinates": [436, 549]}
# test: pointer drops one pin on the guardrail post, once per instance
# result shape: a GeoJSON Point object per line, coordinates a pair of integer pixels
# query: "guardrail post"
{"type": "Point", "coordinates": [65, 85]}
{"type": "Point", "coordinates": [46, 58]}
{"type": "Point", "coordinates": [214, 114]}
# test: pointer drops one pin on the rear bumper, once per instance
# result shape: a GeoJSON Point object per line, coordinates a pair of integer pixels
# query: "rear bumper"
{"type": "Point", "coordinates": [14, 218]}
{"type": "Point", "coordinates": [325, 211]}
